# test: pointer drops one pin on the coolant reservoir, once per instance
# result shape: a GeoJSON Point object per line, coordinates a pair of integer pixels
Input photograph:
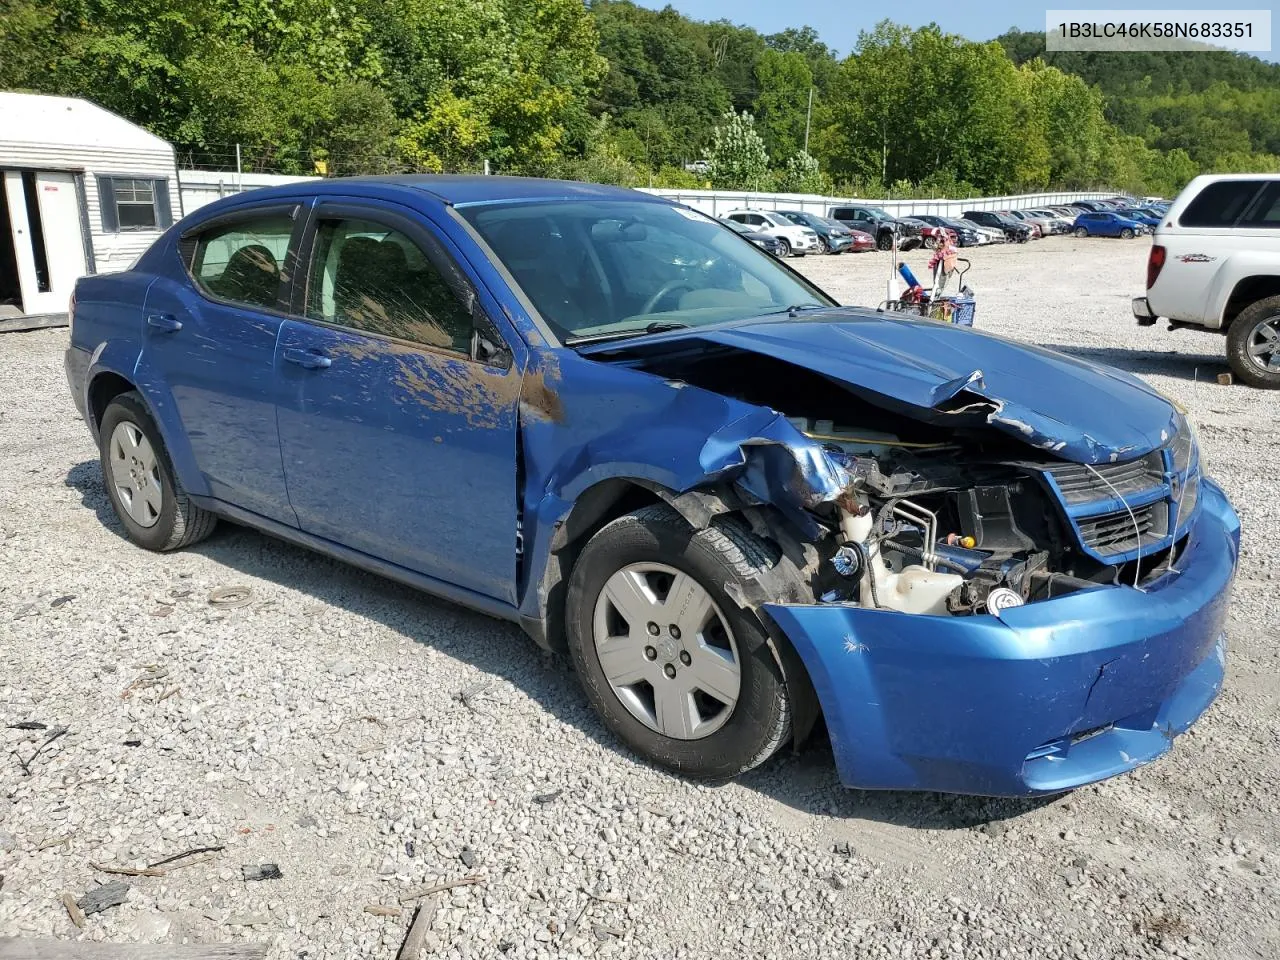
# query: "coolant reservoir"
{"type": "Point", "coordinates": [919, 590]}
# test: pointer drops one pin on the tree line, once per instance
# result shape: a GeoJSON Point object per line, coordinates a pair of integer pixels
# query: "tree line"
{"type": "Point", "coordinates": [614, 92]}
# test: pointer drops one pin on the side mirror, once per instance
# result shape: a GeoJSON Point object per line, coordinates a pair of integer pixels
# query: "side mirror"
{"type": "Point", "coordinates": [487, 347]}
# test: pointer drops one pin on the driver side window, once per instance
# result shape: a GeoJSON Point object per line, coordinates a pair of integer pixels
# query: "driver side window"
{"type": "Point", "coordinates": [370, 277]}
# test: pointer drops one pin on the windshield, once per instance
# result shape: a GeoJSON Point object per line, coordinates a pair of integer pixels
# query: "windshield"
{"type": "Point", "coordinates": [605, 268]}
{"type": "Point", "coordinates": [875, 213]}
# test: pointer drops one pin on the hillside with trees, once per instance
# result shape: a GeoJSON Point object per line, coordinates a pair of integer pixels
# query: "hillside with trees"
{"type": "Point", "coordinates": [610, 91]}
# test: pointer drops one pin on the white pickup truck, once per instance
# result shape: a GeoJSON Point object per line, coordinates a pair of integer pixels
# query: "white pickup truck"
{"type": "Point", "coordinates": [1215, 265]}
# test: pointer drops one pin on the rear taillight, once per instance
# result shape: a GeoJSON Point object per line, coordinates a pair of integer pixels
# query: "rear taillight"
{"type": "Point", "coordinates": [1155, 262]}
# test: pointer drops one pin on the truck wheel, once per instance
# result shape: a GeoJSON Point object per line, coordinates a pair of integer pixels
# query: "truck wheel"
{"type": "Point", "coordinates": [884, 240]}
{"type": "Point", "coordinates": [1253, 344]}
{"type": "Point", "coordinates": [1081, 232]}
{"type": "Point", "coordinates": [674, 666]}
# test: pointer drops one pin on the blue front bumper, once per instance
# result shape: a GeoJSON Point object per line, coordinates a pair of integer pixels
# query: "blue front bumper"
{"type": "Point", "coordinates": [1058, 694]}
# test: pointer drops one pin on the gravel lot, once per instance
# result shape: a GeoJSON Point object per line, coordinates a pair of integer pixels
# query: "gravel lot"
{"type": "Point", "coordinates": [323, 727]}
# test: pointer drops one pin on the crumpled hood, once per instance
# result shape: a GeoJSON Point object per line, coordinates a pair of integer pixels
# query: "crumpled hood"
{"type": "Point", "coordinates": [935, 371]}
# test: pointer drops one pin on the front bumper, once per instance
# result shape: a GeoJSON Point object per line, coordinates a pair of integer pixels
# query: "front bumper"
{"type": "Point", "coordinates": [1058, 694]}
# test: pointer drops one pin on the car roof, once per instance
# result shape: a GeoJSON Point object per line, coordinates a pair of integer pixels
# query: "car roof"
{"type": "Point", "coordinates": [451, 189]}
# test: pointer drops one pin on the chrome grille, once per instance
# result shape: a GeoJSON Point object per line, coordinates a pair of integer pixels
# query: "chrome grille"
{"type": "Point", "coordinates": [1079, 484]}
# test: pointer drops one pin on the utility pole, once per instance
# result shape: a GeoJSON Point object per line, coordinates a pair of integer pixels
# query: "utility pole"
{"type": "Point", "coordinates": [807, 118]}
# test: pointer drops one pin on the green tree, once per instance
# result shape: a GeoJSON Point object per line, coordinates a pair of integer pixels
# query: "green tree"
{"type": "Point", "coordinates": [738, 159]}
{"type": "Point", "coordinates": [801, 175]}
{"type": "Point", "coordinates": [784, 82]}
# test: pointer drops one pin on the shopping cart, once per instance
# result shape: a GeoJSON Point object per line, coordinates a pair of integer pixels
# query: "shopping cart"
{"type": "Point", "coordinates": [934, 302]}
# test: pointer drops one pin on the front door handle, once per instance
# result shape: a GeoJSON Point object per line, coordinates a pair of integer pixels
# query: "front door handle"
{"type": "Point", "coordinates": [164, 322]}
{"type": "Point", "coordinates": [305, 358]}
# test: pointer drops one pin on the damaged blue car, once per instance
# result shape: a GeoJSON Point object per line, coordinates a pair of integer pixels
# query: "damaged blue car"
{"type": "Point", "coordinates": [742, 509]}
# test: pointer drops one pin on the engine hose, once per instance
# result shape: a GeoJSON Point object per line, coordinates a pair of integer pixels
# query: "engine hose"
{"type": "Point", "coordinates": [871, 574]}
{"type": "Point", "coordinates": [918, 555]}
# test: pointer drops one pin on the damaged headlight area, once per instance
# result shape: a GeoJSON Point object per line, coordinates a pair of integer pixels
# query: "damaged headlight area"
{"type": "Point", "coordinates": [939, 528]}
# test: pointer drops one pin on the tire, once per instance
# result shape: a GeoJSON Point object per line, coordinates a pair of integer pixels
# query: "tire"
{"type": "Point", "coordinates": [784, 248]}
{"type": "Point", "coordinates": [824, 246]}
{"type": "Point", "coordinates": [1249, 331]}
{"type": "Point", "coordinates": [1126, 234]}
{"type": "Point", "coordinates": [931, 243]}
{"type": "Point", "coordinates": [1081, 232]}
{"type": "Point", "coordinates": [178, 522]}
{"type": "Point", "coordinates": [758, 722]}
{"type": "Point", "coordinates": [884, 240]}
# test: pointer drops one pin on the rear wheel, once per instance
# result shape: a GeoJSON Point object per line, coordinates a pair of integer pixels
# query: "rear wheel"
{"type": "Point", "coordinates": [155, 511]}
{"type": "Point", "coordinates": [1081, 232]}
{"type": "Point", "coordinates": [1253, 344]}
{"type": "Point", "coordinates": [1126, 234]}
{"type": "Point", "coordinates": [784, 248]}
{"type": "Point", "coordinates": [673, 665]}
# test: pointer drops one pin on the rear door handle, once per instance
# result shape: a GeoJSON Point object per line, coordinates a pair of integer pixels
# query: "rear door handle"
{"type": "Point", "coordinates": [164, 322]}
{"type": "Point", "coordinates": [305, 358]}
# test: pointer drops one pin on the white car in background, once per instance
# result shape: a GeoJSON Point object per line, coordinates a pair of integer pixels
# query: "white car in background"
{"type": "Point", "coordinates": [988, 234]}
{"type": "Point", "coordinates": [1215, 265]}
{"type": "Point", "coordinates": [794, 238]}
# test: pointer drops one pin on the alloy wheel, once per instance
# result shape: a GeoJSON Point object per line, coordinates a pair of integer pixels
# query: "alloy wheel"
{"type": "Point", "coordinates": [1264, 345]}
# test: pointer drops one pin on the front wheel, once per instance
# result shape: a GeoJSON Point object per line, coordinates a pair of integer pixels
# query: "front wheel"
{"type": "Point", "coordinates": [824, 246]}
{"type": "Point", "coordinates": [931, 243]}
{"type": "Point", "coordinates": [1081, 232]}
{"type": "Point", "coordinates": [1253, 344]}
{"type": "Point", "coordinates": [884, 240]}
{"type": "Point", "coordinates": [145, 493]}
{"type": "Point", "coordinates": [784, 248]}
{"type": "Point", "coordinates": [1126, 234]}
{"type": "Point", "coordinates": [674, 666]}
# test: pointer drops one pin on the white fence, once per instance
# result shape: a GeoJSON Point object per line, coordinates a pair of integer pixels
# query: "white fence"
{"type": "Point", "coordinates": [204, 186]}
{"type": "Point", "coordinates": [718, 202]}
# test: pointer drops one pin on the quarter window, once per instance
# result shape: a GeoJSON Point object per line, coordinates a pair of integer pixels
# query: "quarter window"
{"type": "Point", "coordinates": [242, 262]}
{"type": "Point", "coordinates": [369, 277]}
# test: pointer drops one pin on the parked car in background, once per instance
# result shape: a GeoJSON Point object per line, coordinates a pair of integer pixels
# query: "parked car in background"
{"type": "Point", "coordinates": [833, 236]}
{"type": "Point", "coordinates": [765, 241]}
{"type": "Point", "coordinates": [966, 234]}
{"type": "Point", "coordinates": [860, 242]}
{"type": "Point", "coordinates": [1147, 218]}
{"type": "Point", "coordinates": [1037, 228]}
{"type": "Point", "coordinates": [1015, 231]}
{"type": "Point", "coordinates": [1092, 206]}
{"type": "Point", "coordinates": [988, 234]}
{"type": "Point", "coordinates": [601, 416]}
{"type": "Point", "coordinates": [1050, 222]}
{"type": "Point", "coordinates": [1107, 224]}
{"type": "Point", "coordinates": [1215, 265]}
{"type": "Point", "coordinates": [879, 224]}
{"type": "Point", "coordinates": [793, 238]}
{"type": "Point", "coordinates": [931, 235]}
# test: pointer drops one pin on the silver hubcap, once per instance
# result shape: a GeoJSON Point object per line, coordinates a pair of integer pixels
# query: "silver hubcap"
{"type": "Point", "coordinates": [135, 474]}
{"type": "Point", "coordinates": [667, 651]}
{"type": "Point", "coordinates": [1264, 345]}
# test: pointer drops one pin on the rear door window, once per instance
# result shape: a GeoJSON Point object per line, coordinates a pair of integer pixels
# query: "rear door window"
{"type": "Point", "coordinates": [243, 262]}
{"type": "Point", "coordinates": [1221, 204]}
{"type": "Point", "coordinates": [1264, 210]}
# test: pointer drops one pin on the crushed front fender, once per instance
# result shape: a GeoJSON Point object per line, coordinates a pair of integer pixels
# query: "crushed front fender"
{"type": "Point", "coordinates": [1055, 695]}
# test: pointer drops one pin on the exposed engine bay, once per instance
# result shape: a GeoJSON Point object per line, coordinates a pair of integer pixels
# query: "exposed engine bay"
{"type": "Point", "coordinates": [945, 516]}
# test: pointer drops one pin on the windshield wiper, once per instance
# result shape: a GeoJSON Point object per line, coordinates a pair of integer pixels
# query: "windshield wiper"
{"type": "Point", "coordinates": [795, 308]}
{"type": "Point", "coordinates": [657, 326]}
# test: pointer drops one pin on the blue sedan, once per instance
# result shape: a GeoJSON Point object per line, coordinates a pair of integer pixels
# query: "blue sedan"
{"type": "Point", "coordinates": [1106, 224]}
{"type": "Point", "coordinates": [738, 507]}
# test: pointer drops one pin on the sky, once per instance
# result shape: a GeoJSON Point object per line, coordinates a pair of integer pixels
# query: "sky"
{"type": "Point", "coordinates": [838, 21]}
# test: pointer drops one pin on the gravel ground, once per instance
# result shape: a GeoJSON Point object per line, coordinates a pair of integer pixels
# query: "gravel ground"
{"type": "Point", "coordinates": [370, 740]}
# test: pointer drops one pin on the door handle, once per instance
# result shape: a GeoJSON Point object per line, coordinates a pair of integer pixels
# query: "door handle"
{"type": "Point", "coordinates": [305, 358]}
{"type": "Point", "coordinates": [164, 322]}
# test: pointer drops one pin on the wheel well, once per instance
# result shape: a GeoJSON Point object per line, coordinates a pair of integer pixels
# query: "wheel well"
{"type": "Point", "coordinates": [1248, 291]}
{"type": "Point", "coordinates": [105, 388]}
{"type": "Point", "coordinates": [598, 506]}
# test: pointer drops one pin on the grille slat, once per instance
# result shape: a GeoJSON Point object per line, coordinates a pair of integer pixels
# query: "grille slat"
{"type": "Point", "coordinates": [1115, 532]}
